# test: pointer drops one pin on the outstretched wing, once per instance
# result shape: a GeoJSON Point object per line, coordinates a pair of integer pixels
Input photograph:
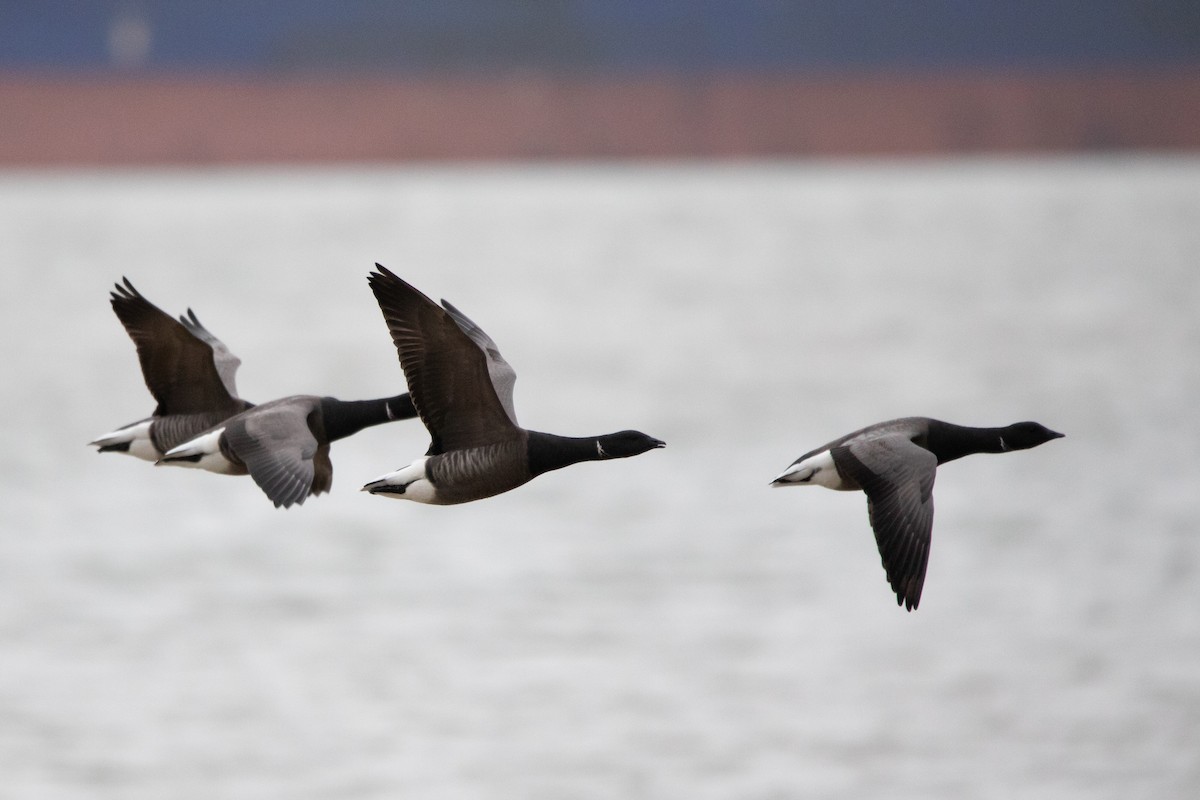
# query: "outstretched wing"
{"type": "Point", "coordinates": [448, 373]}
{"type": "Point", "coordinates": [276, 443]}
{"type": "Point", "coordinates": [897, 477]}
{"type": "Point", "coordinates": [503, 376]}
{"type": "Point", "coordinates": [226, 362]}
{"type": "Point", "coordinates": [179, 368]}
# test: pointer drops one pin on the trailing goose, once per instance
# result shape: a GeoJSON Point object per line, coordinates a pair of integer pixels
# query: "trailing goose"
{"type": "Point", "coordinates": [462, 389]}
{"type": "Point", "coordinates": [284, 444]}
{"type": "Point", "coordinates": [895, 463]}
{"type": "Point", "coordinates": [187, 370]}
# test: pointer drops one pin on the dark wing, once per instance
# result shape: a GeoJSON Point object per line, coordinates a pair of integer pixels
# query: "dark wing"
{"type": "Point", "coordinates": [503, 376]}
{"type": "Point", "coordinates": [897, 477]}
{"type": "Point", "coordinates": [178, 367]}
{"type": "Point", "coordinates": [447, 372]}
{"type": "Point", "coordinates": [904, 425]}
{"type": "Point", "coordinates": [225, 362]}
{"type": "Point", "coordinates": [277, 445]}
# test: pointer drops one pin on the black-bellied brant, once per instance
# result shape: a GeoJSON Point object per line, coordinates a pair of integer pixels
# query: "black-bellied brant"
{"type": "Point", "coordinates": [284, 444]}
{"type": "Point", "coordinates": [462, 389]}
{"type": "Point", "coordinates": [894, 463]}
{"type": "Point", "coordinates": [187, 370]}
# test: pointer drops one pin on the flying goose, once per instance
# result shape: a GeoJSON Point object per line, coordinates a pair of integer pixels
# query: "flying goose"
{"type": "Point", "coordinates": [895, 463]}
{"type": "Point", "coordinates": [462, 389]}
{"type": "Point", "coordinates": [284, 444]}
{"type": "Point", "coordinates": [187, 370]}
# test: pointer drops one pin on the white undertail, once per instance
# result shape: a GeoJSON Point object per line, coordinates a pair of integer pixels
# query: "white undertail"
{"type": "Point", "coordinates": [411, 479]}
{"type": "Point", "coordinates": [818, 470]}
{"type": "Point", "coordinates": [203, 452]}
{"type": "Point", "coordinates": [137, 436]}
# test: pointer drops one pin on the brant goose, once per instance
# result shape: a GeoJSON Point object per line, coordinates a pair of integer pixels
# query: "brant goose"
{"type": "Point", "coordinates": [284, 444]}
{"type": "Point", "coordinates": [894, 463]}
{"type": "Point", "coordinates": [187, 370]}
{"type": "Point", "coordinates": [462, 389]}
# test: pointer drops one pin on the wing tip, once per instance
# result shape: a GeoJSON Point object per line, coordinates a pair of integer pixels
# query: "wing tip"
{"type": "Point", "coordinates": [381, 273]}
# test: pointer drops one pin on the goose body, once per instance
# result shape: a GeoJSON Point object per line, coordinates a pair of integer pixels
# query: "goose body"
{"type": "Point", "coordinates": [284, 444]}
{"type": "Point", "coordinates": [462, 389]}
{"type": "Point", "coordinates": [894, 463]}
{"type": "Point", "coordinates": [473, 473]}
{"type": "Point", "coordinates": [189, 372]}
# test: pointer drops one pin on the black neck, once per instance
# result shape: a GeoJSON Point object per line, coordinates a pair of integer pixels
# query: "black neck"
{"type": "Point", "coordinates": [549, 452]}
{"type": "Point", "coordinates": [344, 418]}
{"type": "Point", "coordinates": [948, 442]}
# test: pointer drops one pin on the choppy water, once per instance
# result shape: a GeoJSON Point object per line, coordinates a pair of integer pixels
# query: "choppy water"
{"type": "Point", "coordinates": [662, 627]}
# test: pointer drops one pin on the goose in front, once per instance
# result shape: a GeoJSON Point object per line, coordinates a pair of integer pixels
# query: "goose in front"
{"type": "Point", "coordinates": [895, 463]}
{"type": "Point", "coordinates": [187, 370]}
{"type": "Point", "coordinates": [462, 389]}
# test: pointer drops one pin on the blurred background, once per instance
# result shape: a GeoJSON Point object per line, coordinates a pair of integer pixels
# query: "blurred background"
{"type": "Point", "coordinates": [138, 81]}
{"type": "Point", "coordinates": [745, 228]}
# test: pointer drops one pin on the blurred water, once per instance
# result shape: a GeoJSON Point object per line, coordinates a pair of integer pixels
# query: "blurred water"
{"type": "Point", "coordinates": [661, 627]}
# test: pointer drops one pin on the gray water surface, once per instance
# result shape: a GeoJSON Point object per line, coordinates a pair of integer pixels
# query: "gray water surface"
{"type": "Point", "coordinates": [661, 627]}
